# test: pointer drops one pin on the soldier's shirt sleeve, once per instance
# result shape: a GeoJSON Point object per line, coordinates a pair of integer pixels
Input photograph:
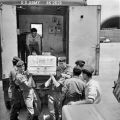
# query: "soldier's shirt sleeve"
{"type": "Point", "coordinates": [31, 82]}
{"type": "Point", "coordinates": [91, 91]}
{"type": "Point", "coordinates": [22, 81]}
{"type": "Point", "coordinates": [61, 81]}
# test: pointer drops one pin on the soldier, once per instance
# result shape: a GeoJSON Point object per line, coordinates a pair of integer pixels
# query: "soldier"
{"type": "Point", "coordinates": [74, 87]}
{"type": "Point", "coordinates": [33, 42]}
{"type": "Point", "coordinates": [27, 85]}
{"type": "Point", "coordinates": [55, 94]}
{"type": "Point", "coordinates": [66, 70]}
{"type": "Point", "coordinates": [92, 89]}
{"type": "Point", "coordinates": [16, 93]}
{"type": "Point", "coordinates": [80, 63]}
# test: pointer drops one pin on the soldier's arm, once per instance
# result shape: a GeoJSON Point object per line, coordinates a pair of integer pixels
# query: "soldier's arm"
{"type": "Point", "coordinates": [66, 76]}
{"type": "Point", "coordinates": [21, 81]}
{"type": "Point", "coordinates": [86, 101]}
{"type": "Point", "coordinates": [90, 98]}
{"type": "Point", "coordinates": [31, 82]}
{"type": "Point", "coordinates": [64, 90]}
{"type": "Point", "coordinates": [55, 82]}
{"type": "Point", "coordinates": [47, 83]}
{"type": "Point", "coordinates": [27, 83]}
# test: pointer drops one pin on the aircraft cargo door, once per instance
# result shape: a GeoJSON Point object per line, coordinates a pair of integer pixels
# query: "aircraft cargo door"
{"type": "Point", "coordinates": [84, 25]}
{"type": "Point", "coordinates": [8, 30]}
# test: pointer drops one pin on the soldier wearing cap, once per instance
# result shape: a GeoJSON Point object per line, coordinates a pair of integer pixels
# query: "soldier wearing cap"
{"type": "Point", "coordinates": [25, 82]}
{"type": "Point", "coordinates": [16, 93]}
{"type": "Point", "coordinates": [80, 63]}
{"type": "Point", "coordinates": [92, 89]}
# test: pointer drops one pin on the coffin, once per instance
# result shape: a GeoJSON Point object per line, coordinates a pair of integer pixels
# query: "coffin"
{"type": "Point", "coordinates": [42, 65]}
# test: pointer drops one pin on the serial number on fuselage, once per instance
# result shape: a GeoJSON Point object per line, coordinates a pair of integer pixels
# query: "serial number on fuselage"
{"type": "Point", "coordinates": [49, 2]}
{"type": "Point", "coordinates": [30, 2]}
{"type": "Point", "coordinates": [54, 2]}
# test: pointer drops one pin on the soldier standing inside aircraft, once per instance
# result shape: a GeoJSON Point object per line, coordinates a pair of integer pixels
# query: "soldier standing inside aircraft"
{"type": "Point", "coordinates": [33, 42]}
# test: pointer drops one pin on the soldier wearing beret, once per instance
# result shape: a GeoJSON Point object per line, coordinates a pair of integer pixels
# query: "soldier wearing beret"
{"type": "Point", "coordinates": [92, 89]}
{"type": "Point", "coordinates": [25, 82]}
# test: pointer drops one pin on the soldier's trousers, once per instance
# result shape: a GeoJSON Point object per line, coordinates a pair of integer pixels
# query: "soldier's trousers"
{"type": "Point", "coordinates": [54, 105]}
{"type": "Point", "coordinates": [32, 103]}
{"type": "Point", "coordinates": [17, 102]}
{"type": "Point", "coordinates": [15, 110]}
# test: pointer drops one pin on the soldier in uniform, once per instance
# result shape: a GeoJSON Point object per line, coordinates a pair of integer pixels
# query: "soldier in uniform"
{"type": "Point", "coordinates": [92, 88]}
{"type": "Point", "coordinates": [73, 87]}
{"type": "Point", "coordinates": [27, 85]}
{"type": "Point", "coordinates": [16, 93]}
{"type": "Point", "coordinates": [66, 69]}
{"type": "Point", "coordinates": [54, 95]}
{"type": "Point", "coordinates": [63, 72]}
{"type": "Point", "coordinates": [80, 63]}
